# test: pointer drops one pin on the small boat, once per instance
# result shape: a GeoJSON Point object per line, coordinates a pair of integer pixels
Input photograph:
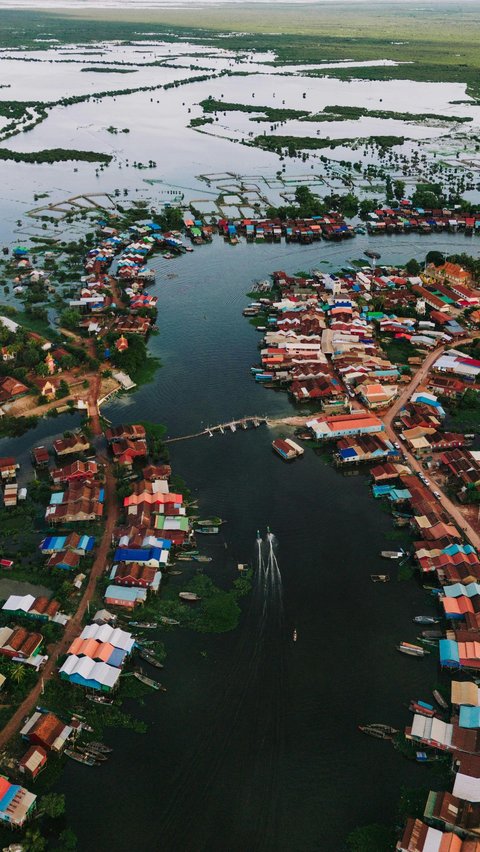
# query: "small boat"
{"type": "Point", "coordinates": [432, 643]}
{"type": "Point", "coordinates": [6, 563]}
{"type": "Point", "coordinates": [233, 427]}
{"type": "Point", "coordinates": [165, 620]}
{"type": "Point", "coordinates": [174, 574]}
{"type": "Point", "coordinates": [146, 625]}
{"type": "Point", "coordinates": [149, 658]}
{"type": "Point", "coordinates": [91, 752]}
{"type": "Point", "coordinates": [422, 708]}
{"type": "Point", "coordinates": [432, 634]}
{"type": "Point", "coordinates": [207, 530]}
{"type": "Point", "coordinates": [149, 682]}
{"type": "Point", "coordinates": [100, 699]}
{"type": "Point", "coordinates": [426, 619]}
{"type": "Point", "coordinates": [381, 732]}
{"type": "Point", "coordinates": [202, 558]}
{"type": "Point", "coordinates": [380, 578]}
{"type": "Point", "coordinates": [422, 757]}
{"type": "Point", "coordinates": [412, 650]}
{"type": "Point", "coordinates": [189, 596]}
{"type": "Point", "coordinates": [86, 759]}
{"type": "Point", "coordinates": [440, 699]}
{"type": "Point", "coordinates": [295, 635]}
{"type": "Point", "coordinates": [96, 746]}
{"type": "Point", "coordinates": [210, 522]}
{"type": "Point", "coordinates": [392, 554]}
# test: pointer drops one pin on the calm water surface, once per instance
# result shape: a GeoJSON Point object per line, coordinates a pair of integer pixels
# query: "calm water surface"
{"type": "Point", "coordinates": [255, 746]}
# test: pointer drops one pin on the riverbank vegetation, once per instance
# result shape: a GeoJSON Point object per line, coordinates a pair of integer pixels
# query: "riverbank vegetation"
{"type": "Point", "coordinates": [54, 155]}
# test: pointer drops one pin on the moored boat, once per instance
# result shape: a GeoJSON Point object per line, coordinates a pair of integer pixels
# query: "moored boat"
{"type": "Point", "coordinates": [96, 746]}
{"type": "Point", "coordinates": [380, 578]}
{"type": "Point", "coordinates": [165, 620]}
{"type": "Point", "coordinates": [412, 650]}
{"type": "Point", "coordinates": [146, 625]}
{"type": "Point", "coordinates": [207, 530]}
{"type": "Point", "coordinates": [149, 658]}
{"type": "Point", "coordinates": [422, 708]}
{"type": "Point", "coordinates": [426, 619]}
{"type": "Point", "coordinates": [381, 732]}
{"type": "Point", "coordinates": [440, 699]}
{"type": "Point", "coordinates": [79, 757]}
{"type": "Point", "coordinates": [149, 682]}
{"type": "Point", "coordinates": [392, 554]}
{"type": "Point", "coordinates": [432, 634]}
{"type": "Point", "coordinates": [189, 596]}
{"type": "Point", "coordinates": [91, 752]}
{"type": "Point", "coordinates": [100, 699]}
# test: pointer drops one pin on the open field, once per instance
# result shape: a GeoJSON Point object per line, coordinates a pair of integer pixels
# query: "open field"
{"type": "Point", "coordinates": [439, 42]}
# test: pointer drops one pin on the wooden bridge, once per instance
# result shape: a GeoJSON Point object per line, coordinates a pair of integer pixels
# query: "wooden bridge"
{"type": "Point", "coordinates": [250, 422]}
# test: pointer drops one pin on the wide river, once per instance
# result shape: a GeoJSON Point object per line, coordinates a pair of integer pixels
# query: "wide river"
{"type": "Point", "coordinates": [255, 745]}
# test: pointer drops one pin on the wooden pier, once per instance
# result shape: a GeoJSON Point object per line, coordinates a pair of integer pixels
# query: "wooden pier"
{"type": "Point", "coordinates": [250, 422]}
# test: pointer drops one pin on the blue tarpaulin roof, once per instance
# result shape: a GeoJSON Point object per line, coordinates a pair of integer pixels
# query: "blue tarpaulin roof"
{"type": "Point", "coordinates": [458, 589]}
{"type": "Point", "coordinates": [448, 650]}
{"type": "Point", "coordinates": [348, 453]}
{"type": "Point", "coordinates": [469, 717]}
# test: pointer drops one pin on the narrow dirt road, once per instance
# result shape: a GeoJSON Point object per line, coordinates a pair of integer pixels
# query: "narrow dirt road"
{"type": "Point", "coordinates": [74, 626]}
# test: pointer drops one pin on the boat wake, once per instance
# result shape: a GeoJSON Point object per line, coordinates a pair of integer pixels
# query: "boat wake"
{"type": "Point", "coordinates": [234, 769]}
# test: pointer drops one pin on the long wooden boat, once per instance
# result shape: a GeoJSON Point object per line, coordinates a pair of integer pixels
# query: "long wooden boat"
{"type": "Point", "coordinates": [149, 682]}
{"type": "Point", "coordinates": [90, 752]}
{"type": "Point", "coordinates": [80, 758]}
{"type": "Point", "coordinates": [440, 699]}
{"type": "Point", "coordinates": [146, 625]}
{"type": "Point", "coordinates": [426, 619]}
{"type": "Point", "coordinates": [432, 634]}
{"type": "Point", "coordinates": [189, 596]}
{"type": "Point", "coordinates": [380, 578]}
{"type": "Point", "coordinates": [100, 699]}
{"type": "Point", "coordinates": [164, 620]}
{"type": "Point", "coordinates": [412, 650]}
{"type": "Point", "coordinates": [149, 658]}
{"type": "Point", "coordinates": [422, 708]}
{"type": "Point", "coordinates": [381, 732]}
{"type": "Point", "coordinates": [100, 747]}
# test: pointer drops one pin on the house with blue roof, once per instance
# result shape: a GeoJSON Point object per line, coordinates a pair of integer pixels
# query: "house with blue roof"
{"type": "Point", "coordinates": [16, 803]}
{"type": "Point", "coordinates": [152, 556]}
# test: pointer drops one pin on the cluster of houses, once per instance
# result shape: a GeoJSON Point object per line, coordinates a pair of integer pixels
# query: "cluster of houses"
{"type": "Point", "coordinates": [331, 226]}
{"type": "Point", "coordinates": [324, 341]}
{"type": "Point", "coordinates": [322, 346]}
{"type": "Point", "coordinates": [155, 523]}
{"type": "Point", "coordinates": [406, 219]}
{"type": "Point", "coordinates": [120, 258]}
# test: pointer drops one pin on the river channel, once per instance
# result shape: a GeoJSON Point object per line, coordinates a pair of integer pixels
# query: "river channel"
{"type": "Point", "coordinates": [255, 745]}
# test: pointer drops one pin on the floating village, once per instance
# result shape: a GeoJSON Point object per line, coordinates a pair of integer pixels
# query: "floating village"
{"type": "Point", "coordinates": [374, 358]}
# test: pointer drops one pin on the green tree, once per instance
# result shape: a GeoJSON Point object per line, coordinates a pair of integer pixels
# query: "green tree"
{"type": "Point", "coordinates": [368, 205]}
{"type": "Point", "coordinates": [33, 841]}
{"type": "Point", "coordinates": [399, 189]}
{"type": "Point", "coordinates": [435, 257]}
{"type": "Point", "coordinates": [67, 840]}
{"type": "Point", "coordinates": [53, 805]}
{"type": "Point", "coordinates": [70, 318]}
{"type": "Point", "coordinates": [413, 267]}
{"type": "Point", "coordinates": [18, 673]}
